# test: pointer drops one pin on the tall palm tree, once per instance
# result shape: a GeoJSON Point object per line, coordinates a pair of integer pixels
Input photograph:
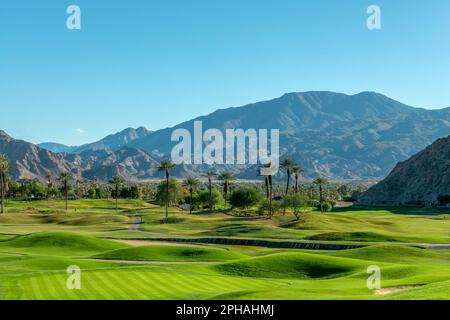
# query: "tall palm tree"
{"type": "Point", "coordinates": [4, 166]}
{"type": "Point", "coordinates": [269, 185]}
{"type": "Point", "coordinates": [192, 184]}
{"type": "Point", "coordinates": [166, 166]}
{"type": "Point", "coordinates": [226, 177]}
{"type": "Point", "coordinates": [297, 169]}
{"type": "Point", "coordinates": [65, 177]}
{"type": "Point", "coordinates": [49, 185]}
{"type": "Point", "coordinates": [117, 181]}
{"type": "Point", "coordinates": [210, 175]}
{"type": "Point", "coordinates": [288, 164]}
{"type": "Point", "coordinates": [266, 184]}
{"type": "Point", "coordinates": [321, 182]}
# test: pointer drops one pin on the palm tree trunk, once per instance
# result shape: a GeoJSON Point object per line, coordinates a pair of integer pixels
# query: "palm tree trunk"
{"type": "Point", "coordinates": [190, 207]}
{"type": "Point", "coordinates": [65, 192]}
{"type": "Point", "coordinates": [266, 182]}
{"type": "Point", "coordinates": [226, 193]}
{"type": "Point", "coordinates": [270, 196]}
{"type": "Point", "coordinates": [288, 181]}
{"type": "Point", "coordinates": [117, 196]}
{"type": "Point", "coordinates": [287, 188]}
{"type": "Point", "coordinates": [296, 183]}
{"type": "Point", "coordinates": [321, 198]}
{"type": "Point", "coordinates": [167, 194]}
{"type": "Point", "coordinates": [2, 187]}
{"type": "Point", "coordinates": [210, 194]}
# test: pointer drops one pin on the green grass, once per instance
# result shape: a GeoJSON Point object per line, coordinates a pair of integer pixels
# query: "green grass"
{"type": "Point", "coordinates": [290, 266]}
{"type": "Point", "coordinates": [60, 243]}
{"type": "Point", "coordinates": [169, 253]}
{"type": "Point", "coordinates": [39, 240]}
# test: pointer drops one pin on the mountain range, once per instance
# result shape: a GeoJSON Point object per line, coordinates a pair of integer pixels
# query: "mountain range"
{"type": "Point", "coordinates": [339, 136]}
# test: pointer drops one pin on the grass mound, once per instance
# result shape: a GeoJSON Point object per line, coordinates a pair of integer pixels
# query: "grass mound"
{"type": "Point", "coordinates": [87, 220]}
{"type": "Point", "coordinates": [169, 253]}
{"type": "Point", "coordinates": [353, 236]}
{"type": "Point", "coordinates": [290, 265]}
{"type": "Point", "coordinates": [395, 254]}
{"type": "Point", "coordinates": [65, 243]}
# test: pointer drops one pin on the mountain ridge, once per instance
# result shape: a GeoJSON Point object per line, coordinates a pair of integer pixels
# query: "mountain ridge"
{"type": "Point", "coordinates": [339, 136]}
{"type": "Point", "coordinates": [420, 180]}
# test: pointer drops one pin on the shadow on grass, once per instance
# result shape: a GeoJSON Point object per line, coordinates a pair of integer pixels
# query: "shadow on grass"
{"type": "Point", "coordinates": [406, 210]}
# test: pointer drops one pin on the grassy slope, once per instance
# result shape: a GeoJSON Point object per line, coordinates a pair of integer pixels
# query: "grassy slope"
{"type": "Point", "coordinates": [169, 253]}
{"type": "Point", "coordinates": [39, 272]}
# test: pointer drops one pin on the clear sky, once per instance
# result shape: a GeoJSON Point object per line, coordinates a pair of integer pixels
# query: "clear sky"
{"type": "Point", "coordinates": [156, 63]}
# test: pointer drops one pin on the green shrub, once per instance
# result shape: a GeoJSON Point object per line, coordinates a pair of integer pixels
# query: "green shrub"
{"type": "Point", "coordinates": [245, 197]}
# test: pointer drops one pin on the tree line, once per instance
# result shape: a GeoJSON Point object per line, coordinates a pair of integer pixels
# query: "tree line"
{"type": "Point", "coordinates": [217, 191]}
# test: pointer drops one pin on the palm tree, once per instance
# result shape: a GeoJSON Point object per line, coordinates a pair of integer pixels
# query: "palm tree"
{"type": "Point", "coordinates": [117, 181]}
{"type": "Point", "coordinates": [166, 166]}
{"type": "Point", "coordinates": [320, 181]}
{"type": "Point", "coordinates": [288, 164]}
{"type": "Point", "coordinates": [266, 184]}
{"type": "Point", "coordinates": [65, 178]}
{"type": "Point", "coordinates": [192, 184]}
{"type": "Point", "coordinates": [4, 166]}
{"type": "Point", "coordinates": [297, 172]}
{"type": "Point", "coordinates": [210, 175]}
{"type": "Point", "coordinates": [226, 177]}
{"type": "Point", "coordinates": [269, 185]}
{"type": "Point", "coordinates": [49, 185]}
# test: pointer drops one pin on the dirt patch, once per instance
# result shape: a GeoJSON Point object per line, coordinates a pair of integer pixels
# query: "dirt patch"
{"type": "Point", "coordinates": [384, 291]}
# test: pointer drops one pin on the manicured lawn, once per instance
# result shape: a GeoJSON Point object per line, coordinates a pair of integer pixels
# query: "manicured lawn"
{"type": "Point", "coordinates": [39, 240]}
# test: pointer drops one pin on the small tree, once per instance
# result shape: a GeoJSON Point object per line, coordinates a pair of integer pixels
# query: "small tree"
{"type": "Point", "coordinates": [298, 203]}
{"type": "Point", "coordinates": [245, 197]}
{"type": "Point", "coordinates": [175, 193]}
{"type": "Point", "coordinates": [192, 184]}
{"type": "Point", "coordinates": [210, 198]}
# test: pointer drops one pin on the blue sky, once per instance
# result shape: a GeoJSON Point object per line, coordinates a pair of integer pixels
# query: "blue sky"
{"type": "Point", "coordinates": [156, 63]}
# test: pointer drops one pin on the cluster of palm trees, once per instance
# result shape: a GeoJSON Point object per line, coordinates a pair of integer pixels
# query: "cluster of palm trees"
{"type": "Point", "coordinates": [191, 183]}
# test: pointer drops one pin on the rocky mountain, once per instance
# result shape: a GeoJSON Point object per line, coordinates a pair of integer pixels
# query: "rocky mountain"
{"type": "Point", "coordinates": [339, 136]}
{"type": "Point", "coordinates": [57, 147]}
{"type": "Point", "coordinates": [28, 161]}
{"type": "Point", "coordinates": [354, 137]}
{"type": "Point", "coordinates": [422, 179]}
{"type": "Point", "coordinates": [130, 163]}
{"type": "Point", "coordinates": [110, 143]}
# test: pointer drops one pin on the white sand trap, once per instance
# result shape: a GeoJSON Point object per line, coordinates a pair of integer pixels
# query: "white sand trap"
{"type": "Point", "coordinates": [391, 290]}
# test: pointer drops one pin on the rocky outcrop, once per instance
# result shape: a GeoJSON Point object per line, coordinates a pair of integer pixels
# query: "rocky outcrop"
{"type": "Point", "coordinates": [424, 179]}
